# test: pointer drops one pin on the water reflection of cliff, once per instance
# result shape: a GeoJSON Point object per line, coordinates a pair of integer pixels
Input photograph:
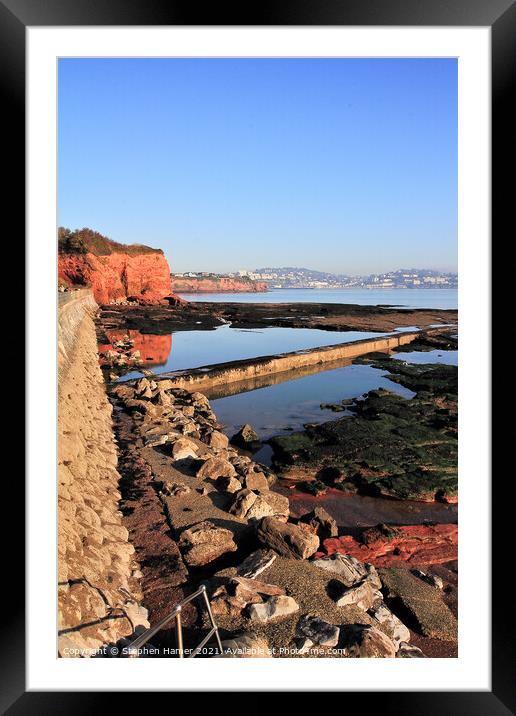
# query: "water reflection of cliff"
{"type": "Point", "coordinates": [154, 350]}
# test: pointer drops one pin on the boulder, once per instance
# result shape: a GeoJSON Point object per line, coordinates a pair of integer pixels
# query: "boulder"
{"type": "Point", "coordinates": [362, 595]}
{"type": "Point", "coordinates": [243, 502]}
{"type": "Point", "coordinates": [273, 608]}
{"type": "Point", "coordinates": [256, 481]}
{"type": "Point", "coordinates": [409, 651]}
{"type": "Point", "coordinates": [200, 399]}
{"type": "Point", "coordinates": [287, 539]}
{"type": "Point", "coordinates": [317, 631]}
{"type": "Point", "coordinates": [245, 436]}
{"type": "Point", "coordinates": [256, 563]}
{"type": "Point", "coordinates": [215, 467]}
{"type": "Point", "coordinates": [183, 448]}
{"type": "Point", "coordinates": [322, 523]}
{"type": "Point", "coordinates": [397, 631]}
{"type": "Point", "coordinates": [349, 569]}
{"type": "Point", "coordinates": [218, 440]}
{"type": "Point", "coordinates": [229, 484]}
{"type": "Point", "coordinates": [226, 605]}
{"type": "Point", "coordinates": [279, 504]}
{"type": "Point", "coordinates": [204, 542]}
{"type": "Point", "coordinates": [260, 508]}
{"type": "Point", "coordinates": [243, 586]}
{"type": "Point", "coordinates": [366, 642]}
{"type": "Point", "coordinates": [156, 440]}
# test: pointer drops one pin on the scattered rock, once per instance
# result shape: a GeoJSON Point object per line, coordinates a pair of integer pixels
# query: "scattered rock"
{"type": "Point", "coordinates": [229, 484]}
{"type": "Point", "coordinates": [398, 632]}
{"type": "Point", "coordinates": [366, 642]}
{"type": "Point", "coordinates": [273, 608]}
{"type": "Point", "coordinates": [256, 563]}
{"type": "Point", "coordinates": [184, 448]}
{"type": "Point", "coordinates": [279, 504]}
{"type": "Point", "coordinates": [323, 523]}
{"type": "Point", "coordinates": [256, 481]}
{"type": "Point", "coordinates": [349, 569]}
{"type": "Point", "coordinates": [205, 542]}
{"type": "Point", "coordinates": [249, 589]}
{"type": "Point", "coordinates": [245, 436]}
{"type": "Point", "coordinates": [362, 596]}
{"type": "Point", "coordinates": [243, 502]}
{"type": "Point", "coordinates": [287, 539]}
{"type": "Point", "coordinates": [409, 651]}
{"type": "Point", "coordinates": [173, 489]}
{"type": "Point", "coordinates": [226, 605]}
{"type": "Point", "coordinates": [259, 508]}
{"type": "Point", "coordinates": [218, 440]}
{"type": "Point", "coordinates": [155, 440]}
{"type": "Point", "coordinates": [317, 631]}
{"type": "Point", "coordinates": [432, 579]}
{"type": "Point", "coordinates": [215, 467]}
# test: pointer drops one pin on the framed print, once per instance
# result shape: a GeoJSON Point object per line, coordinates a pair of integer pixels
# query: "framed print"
{"type": "Point", "coordinates": [255, 241]}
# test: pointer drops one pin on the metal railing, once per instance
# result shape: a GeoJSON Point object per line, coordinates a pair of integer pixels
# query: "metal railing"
{"type": "Point", "coordinates": [135, 646]}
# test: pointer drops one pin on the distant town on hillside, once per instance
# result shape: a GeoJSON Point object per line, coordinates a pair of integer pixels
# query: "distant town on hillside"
{"type": "Point", "coordinates": [291, 277]}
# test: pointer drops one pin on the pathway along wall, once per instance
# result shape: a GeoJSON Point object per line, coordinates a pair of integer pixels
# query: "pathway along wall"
{"type": "Point", "coordinates": [98, 589]}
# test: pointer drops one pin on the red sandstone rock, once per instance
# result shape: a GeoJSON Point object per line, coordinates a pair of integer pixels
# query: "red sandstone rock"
{"type": "Point", "coordinates": [154, 349]}
{"type": "Point", "coordinates": [144, 277]}
{"type": "Point", "coordinates": [411, 545]}
{"type": "Point", "coordinates": [215, 285]}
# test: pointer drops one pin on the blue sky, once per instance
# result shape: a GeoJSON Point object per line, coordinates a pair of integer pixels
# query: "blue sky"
{"type": "Point", "coordinates": [344, 165]}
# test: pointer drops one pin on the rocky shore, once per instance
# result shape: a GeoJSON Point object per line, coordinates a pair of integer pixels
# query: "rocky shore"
{"type": "Point", "coordinates": [200, 510]}
{"type": "Point", "coordinates": [161, 320]}
{"type": "Point", "coordinates": [390, 446]}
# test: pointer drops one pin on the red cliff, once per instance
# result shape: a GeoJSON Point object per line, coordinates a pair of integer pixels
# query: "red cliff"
{"type": "Point", "coordinates": [217, 284]}
{"type": "Point", "coordinates": [115, 272]}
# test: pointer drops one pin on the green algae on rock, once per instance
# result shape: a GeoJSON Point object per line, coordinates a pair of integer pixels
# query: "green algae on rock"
{"type": "Point", "coordinates": [391, 446]}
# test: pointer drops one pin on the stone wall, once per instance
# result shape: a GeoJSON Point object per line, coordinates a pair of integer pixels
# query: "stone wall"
{"type": "Point", "coordinates": [98, 578]}
{"type": "Point", "coordinates": [205, 378]}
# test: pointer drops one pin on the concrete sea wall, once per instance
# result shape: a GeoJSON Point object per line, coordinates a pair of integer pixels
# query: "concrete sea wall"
{"type": "Point", "coordinates": [208, 377]}
{"type": "Point", "coordinates": [98, 578]}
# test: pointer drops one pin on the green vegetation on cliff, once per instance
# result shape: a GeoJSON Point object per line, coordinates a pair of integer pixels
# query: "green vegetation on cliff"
{"type": "Point", "coordinates": [83, 241]}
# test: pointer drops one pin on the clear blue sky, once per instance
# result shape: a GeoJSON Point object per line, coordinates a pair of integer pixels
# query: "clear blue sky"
{"type": "Point", "coordinates": [344, 165]}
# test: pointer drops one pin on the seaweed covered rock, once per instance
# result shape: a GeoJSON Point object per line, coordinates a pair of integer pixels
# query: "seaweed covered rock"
{"type": "Point", "coordinates": [392, 446]}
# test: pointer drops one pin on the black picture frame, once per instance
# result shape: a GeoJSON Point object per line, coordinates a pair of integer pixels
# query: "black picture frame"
{"type": "Point", "coordinates": [500, 15]}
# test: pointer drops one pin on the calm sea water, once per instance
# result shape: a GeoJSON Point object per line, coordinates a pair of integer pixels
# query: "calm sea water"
{"type": "Point", "coordinates": [191, 349]}
{"type": "Point", "coordinates": [408, 298]}
{"type": "Point", "coordinates": [280, 408]}
{"type": "Point", "coordinates": [419, 357]}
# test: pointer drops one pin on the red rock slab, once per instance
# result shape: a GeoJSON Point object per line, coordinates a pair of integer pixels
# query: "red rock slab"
{"type": "Point", "coordinates": [412, 545]}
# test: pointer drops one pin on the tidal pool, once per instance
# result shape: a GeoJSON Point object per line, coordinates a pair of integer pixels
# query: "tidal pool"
{"type": "Point", "coordinates": [280, 408]}
{"type": "Point", "coordinates": [192, 349]}
{"type": "Point", "coordinates": [421, 357]}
